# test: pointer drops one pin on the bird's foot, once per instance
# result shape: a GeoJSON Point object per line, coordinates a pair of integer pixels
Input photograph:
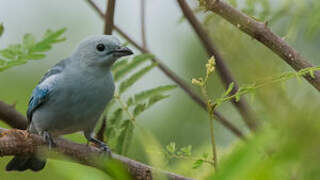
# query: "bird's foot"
{"type": "Point", "coordinates": [103, 146]}
{"type": "Point", "coordinates": [48, 138]}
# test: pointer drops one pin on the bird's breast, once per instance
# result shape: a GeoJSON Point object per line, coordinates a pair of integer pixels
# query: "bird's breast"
{"type": "Point", "coordinates": [75, 104]}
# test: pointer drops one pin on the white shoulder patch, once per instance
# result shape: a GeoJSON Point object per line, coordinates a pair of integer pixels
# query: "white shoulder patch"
{"type": "Point", "coordinates": [49, 82]}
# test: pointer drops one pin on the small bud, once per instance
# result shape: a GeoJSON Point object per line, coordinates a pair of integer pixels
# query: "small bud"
{"type": "Point", "coordinates": [212, 60]}
{"type": "Point", "coordinates": [195, 81]}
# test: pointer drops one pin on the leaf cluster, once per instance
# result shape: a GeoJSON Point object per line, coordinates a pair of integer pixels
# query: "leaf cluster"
{"type": "Point", "coordinates": [29, 49]}
{"type": "Point", "coordinates": [185, 153]}
{"type": "Point", "coordinates": [121, 122]}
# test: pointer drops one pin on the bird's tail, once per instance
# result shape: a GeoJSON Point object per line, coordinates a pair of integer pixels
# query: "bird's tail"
{"type": "Point", "coordinates": [23, 163]}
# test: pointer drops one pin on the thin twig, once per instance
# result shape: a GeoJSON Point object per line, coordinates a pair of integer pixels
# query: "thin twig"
{"type": "Point", "coordinates": [261, 32]}
{"type": "Point", "coordinates": [143, 24]}
{"type": "Point", "coordinates": [222, 69]}
{"type": "Point", "coordinates": [173, 77]}
{"type": "Point", "coordinates": [108, 19]}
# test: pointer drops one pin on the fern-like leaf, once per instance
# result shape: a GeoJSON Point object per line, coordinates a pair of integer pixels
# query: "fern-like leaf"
{"type": "Point", "coordinates": [29, 49]}
{"type": "Point", "coordinates": [134, 78]}
{"type": "Point", "coordinates": [151, 92]}
{"type": "Point", "coordinates": [129, 67]}
{"type": "Point", "coordinates": [124, 140]}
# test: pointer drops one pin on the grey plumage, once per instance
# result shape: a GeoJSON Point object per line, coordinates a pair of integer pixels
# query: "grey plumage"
{"type": "Point", "coordinates": [72, 95]}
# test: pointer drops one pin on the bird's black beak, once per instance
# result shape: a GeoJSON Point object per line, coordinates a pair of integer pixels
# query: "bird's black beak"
{"type": "Point", "coordinates": [123, 51]}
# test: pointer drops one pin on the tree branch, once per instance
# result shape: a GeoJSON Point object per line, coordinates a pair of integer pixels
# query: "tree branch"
{"type": "Point", "coordinates": [223, 70]}
{"type": "Point", "coordinates": [174, 77]}
{"type": "Point", "coordinates": [21, 143]}
{"type": "Point", "coordinates": [108, 19]}
{"type": "Point", "coordinates": [10, 116]}
{"type": "Point", "coordinates": [262, 33]}
{"type": "Point", "coordinates": [143, 24]}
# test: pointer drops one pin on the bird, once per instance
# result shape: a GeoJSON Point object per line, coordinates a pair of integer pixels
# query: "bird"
{"type": "Point", "coordinates": [72, 95]}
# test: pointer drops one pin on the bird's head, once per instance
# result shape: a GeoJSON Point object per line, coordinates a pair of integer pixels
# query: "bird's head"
{"type": "Point", "coordinates": [100, 51]}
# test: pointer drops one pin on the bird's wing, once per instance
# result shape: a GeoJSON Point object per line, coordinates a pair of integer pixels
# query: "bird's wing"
{"type": "Point", "coordinates": [40, 94]}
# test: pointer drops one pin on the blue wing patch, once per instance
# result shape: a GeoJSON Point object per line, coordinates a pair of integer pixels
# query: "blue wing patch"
{"type": "Point", "coordinates": [39, 96]}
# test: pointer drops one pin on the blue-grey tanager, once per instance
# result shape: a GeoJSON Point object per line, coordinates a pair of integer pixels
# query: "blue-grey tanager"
{"type": "Point", "coordinates": [72, 95]}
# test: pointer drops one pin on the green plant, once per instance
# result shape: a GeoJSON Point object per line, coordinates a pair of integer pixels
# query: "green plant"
{"type": "Point", "coordinates": [29, 49]}
{"type": "Point", "coordinates": [121, 122]}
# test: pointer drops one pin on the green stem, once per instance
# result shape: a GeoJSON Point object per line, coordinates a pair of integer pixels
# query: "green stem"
{"type": "Point", "coordinates": [124, 106]}
{"type": "Point", "coordinates": [210, 108]}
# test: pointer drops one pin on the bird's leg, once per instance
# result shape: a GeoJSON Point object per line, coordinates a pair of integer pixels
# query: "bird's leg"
{"type": "Point", "coordinates": [48, 138]}
{"type": "Point", "coordinates": [103, 146]}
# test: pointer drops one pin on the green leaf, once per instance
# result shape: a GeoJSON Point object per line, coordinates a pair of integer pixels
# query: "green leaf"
{"type": "Point", "coordinates": [116, 117]}
{"type": "Point", "coordinates": [151, 92]}
{"type": "Point", "coordinates": [1, 29]}
{"type": "Point", "coordinates": [119, 65]}
{"type": "Point", "coordinates": [29, 49]}
{"type": "Point", "coordinates": [134, 78]}
{"type": "Point", "coordinates": [137, 60]}
{"type": "Point", "coordinates": [28, 40]}
{"type": "Point", "coordinates": [205, 155]}
{"type": "Point", "coordinates": [113, 123]}
{"type": "Point", "coordinates": [130, 101]}
{"type": "Point", "coordinates": [311, 72]}
{"type": "Point", "coordinates": [139, 109]}
{"type": "Point", "coordinates": [124, 140]}
{"type": "Point", "coordinates": [171, 147]}
{"type": "Point", "coordinates": [50, 38]}
{"type": "Point", "coordinates": [155, 99]}
{"type": "Point", "coordinates": [230, 88]}
{"type": "Point", "coordinates": [35, 56]}
{"type": "Point", "coordinates": [185, 151]}
{"type": "Point", "coordinates": [198, 163]}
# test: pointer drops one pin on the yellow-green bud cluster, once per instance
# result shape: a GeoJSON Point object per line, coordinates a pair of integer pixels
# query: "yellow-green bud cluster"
{"type": "Point", "coordinates": [196, 81]}
{"type": "Point", "coordinates": [211, 65]}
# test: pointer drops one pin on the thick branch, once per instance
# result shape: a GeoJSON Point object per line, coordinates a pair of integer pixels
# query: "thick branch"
{"type": "Point", "coordinates": [223, 70]}
{"type": "Point", "coordinates": [108, 19]}
{"type": "Point", "coordinates": [21, 143]}
{"type": "Point", "coordinates": [262, 33]}
{"type": "Point", "coordinates": [174, 77]}
{"type": "Point", "coordinates": [9, 115]}
{"type": "Point", "coordinates": [18, 142]}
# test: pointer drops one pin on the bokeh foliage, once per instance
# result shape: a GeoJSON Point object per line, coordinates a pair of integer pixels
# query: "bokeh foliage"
{"type": "Point", "coordinates": [285, 148]}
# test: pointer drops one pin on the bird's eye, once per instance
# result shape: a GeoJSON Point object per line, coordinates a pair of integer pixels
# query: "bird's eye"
{"type": "Point", "coordinates": [100, 47]}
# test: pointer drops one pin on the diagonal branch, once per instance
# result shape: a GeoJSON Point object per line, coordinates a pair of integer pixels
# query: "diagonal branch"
{"type": "Point", "coordinates": [262, 33]}
{"type": "Point", "coordinates": [173, 77]}
{"type": "Point", "coordinates": [222, 68]}
{"type": "Point", "coordinates": [143, 24]}
{"type": "Point", "coordinates": [108, 19]}
{"type": "Point", "coordinates": [10, 116]}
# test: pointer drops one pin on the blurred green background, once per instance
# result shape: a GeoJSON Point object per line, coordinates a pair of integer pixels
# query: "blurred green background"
{"type": "Point", "coordinates": [177, 119]}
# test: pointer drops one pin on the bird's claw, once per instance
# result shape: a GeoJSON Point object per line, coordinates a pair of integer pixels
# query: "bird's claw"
{"type": "Point", "coordinates": [47, 137]}
{"type": "Point", "coordinates": [102, 146]}
{"type": "Point", "coordinates": [106, 149]}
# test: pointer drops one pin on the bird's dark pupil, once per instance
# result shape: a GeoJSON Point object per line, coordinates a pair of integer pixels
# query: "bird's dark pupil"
{"type": "Point", "coordinates": [100, 47]}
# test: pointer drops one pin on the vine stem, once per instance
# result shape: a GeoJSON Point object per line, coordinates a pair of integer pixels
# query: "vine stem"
{"type": "Point", "coordinates": [284, 77]}
{"type": "Point", "coordinates": [124, 107]}
{"type": "Point", "coordinates": [210, 108]}
{"type": "Point", "coordinates": [213, 143]}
